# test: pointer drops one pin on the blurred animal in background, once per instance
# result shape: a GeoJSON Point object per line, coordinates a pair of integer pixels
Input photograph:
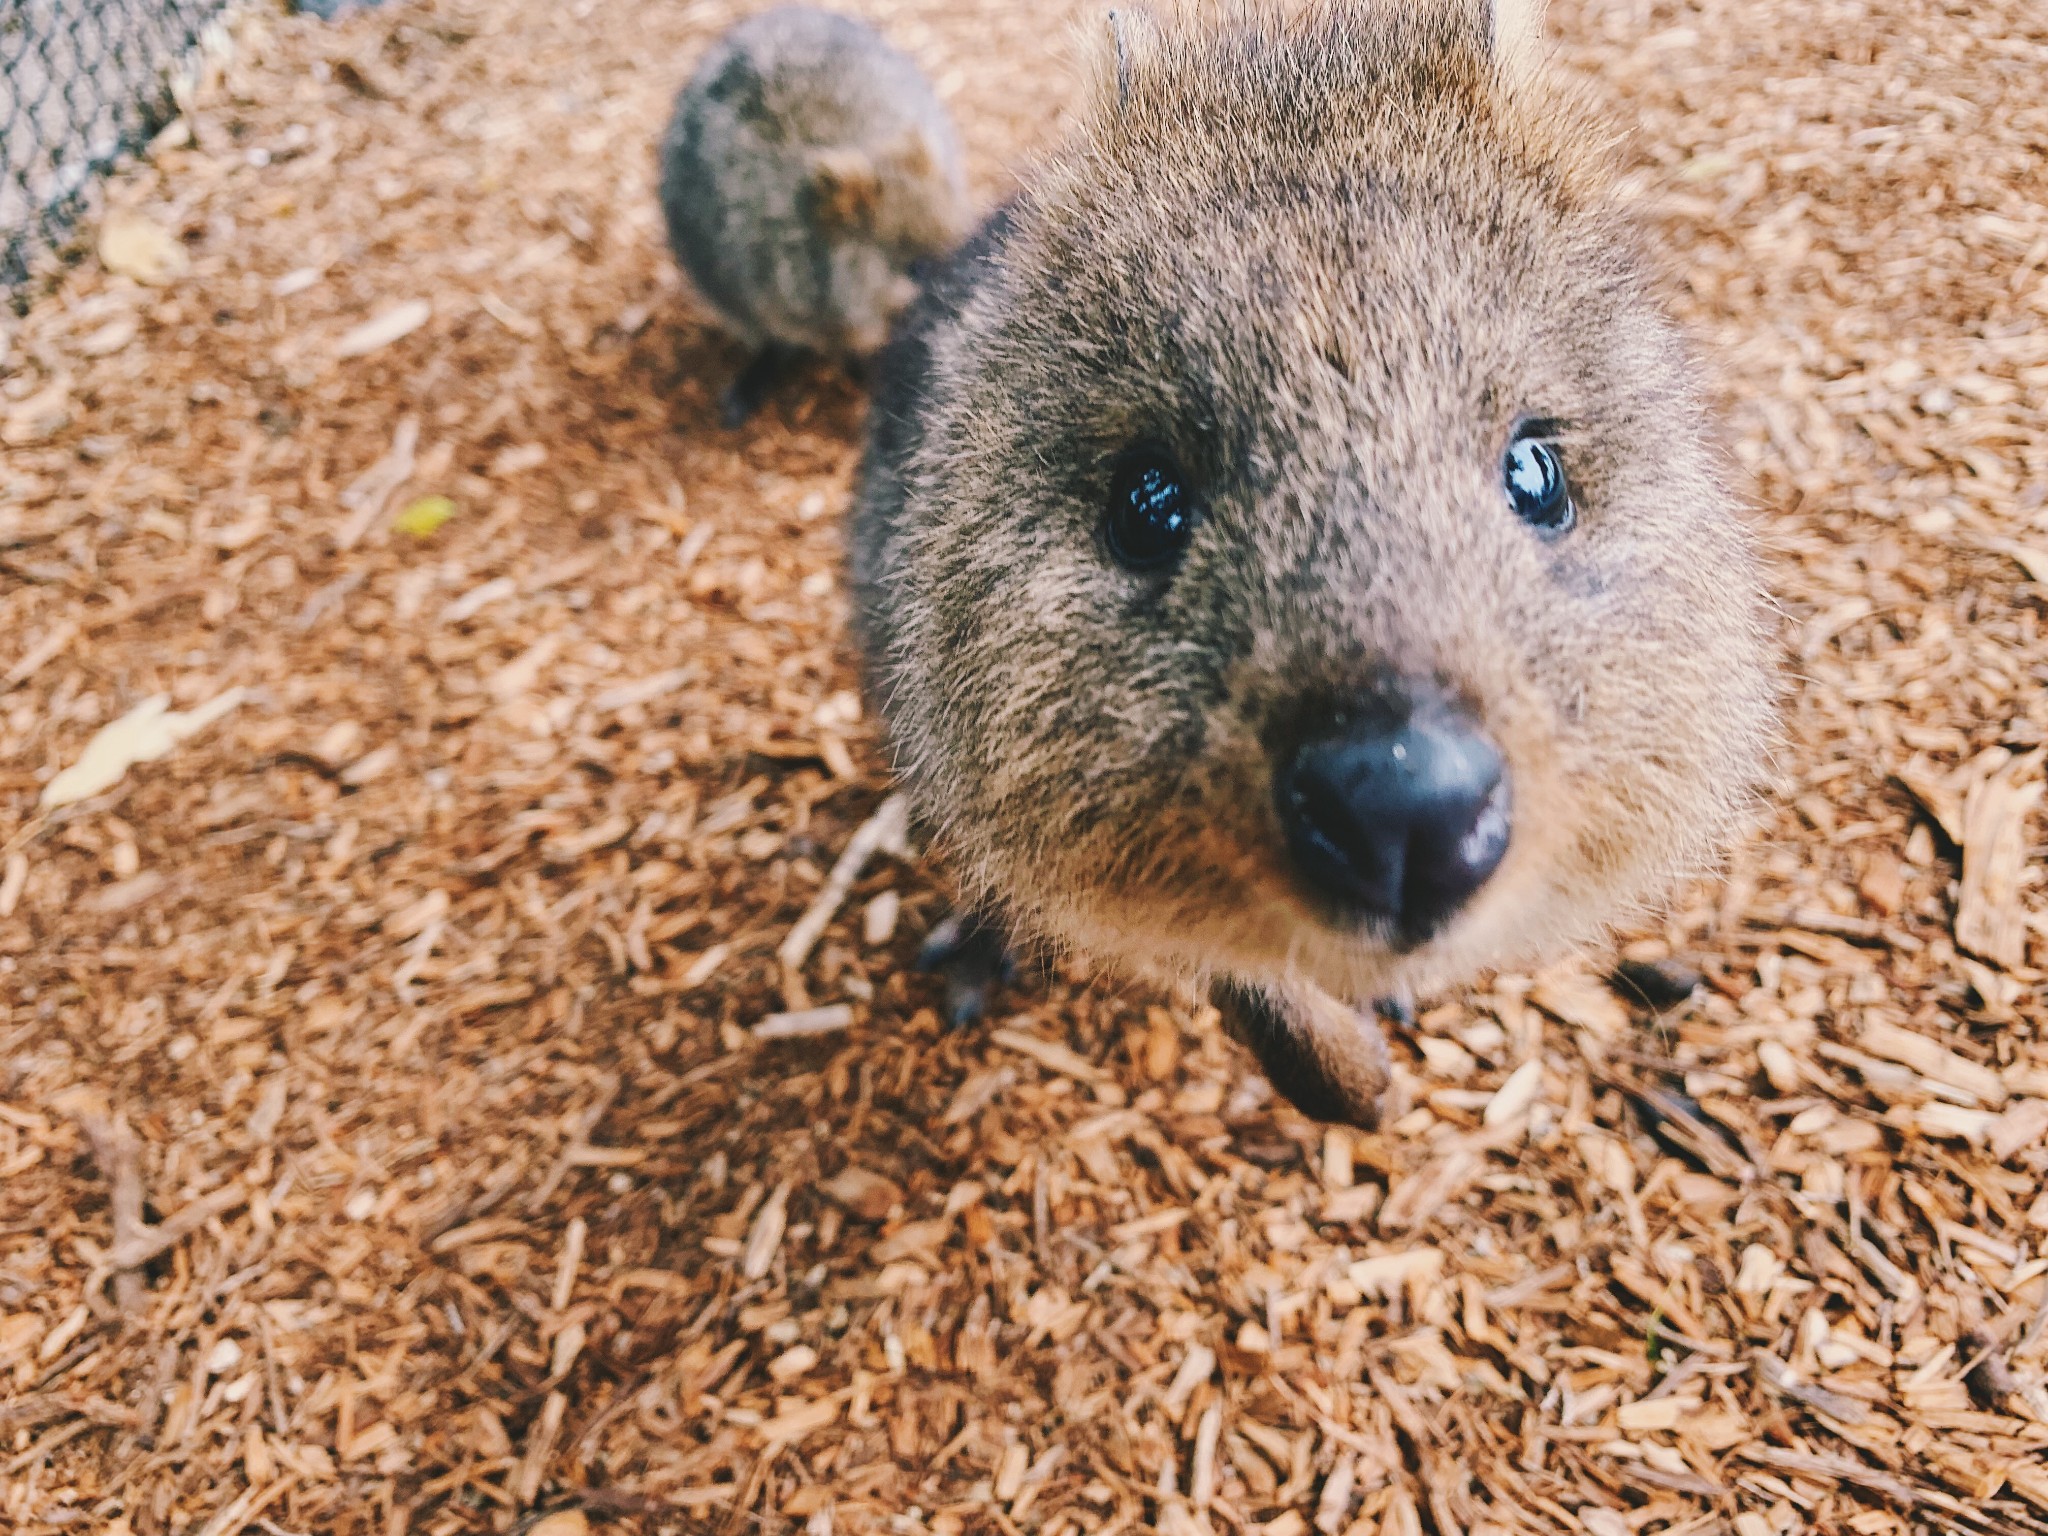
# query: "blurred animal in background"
{"type": "Point", "coordinates": [807, 170]}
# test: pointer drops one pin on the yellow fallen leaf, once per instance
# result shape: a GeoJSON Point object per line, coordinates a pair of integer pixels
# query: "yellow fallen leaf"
{"type": "Point", "coordinates": [420, 518]}
{"type": "Point", "coordinates": [146, 733]}
{"type": "Point", "coordinates": [129, 244]}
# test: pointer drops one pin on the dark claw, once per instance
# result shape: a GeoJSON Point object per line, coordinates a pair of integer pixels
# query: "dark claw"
{"type": "Point", "coordinates": [1398, 1011]}
{"type": "Point", "coordinates": [734, 408]}
{"type": "Point", "coordinates": [973, 956]}
{"type": "Point", "coordinates": [1658, 984]}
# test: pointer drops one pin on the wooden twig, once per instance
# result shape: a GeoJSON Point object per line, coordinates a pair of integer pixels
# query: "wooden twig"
{"type": "Point", "coordinates": [883, 831]}
{"type": "Point", "coordinates": [116, 1150]}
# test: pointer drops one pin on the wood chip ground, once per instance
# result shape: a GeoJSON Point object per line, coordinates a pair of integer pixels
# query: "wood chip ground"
{"type": "Point", "coordinates": [385, 1142]}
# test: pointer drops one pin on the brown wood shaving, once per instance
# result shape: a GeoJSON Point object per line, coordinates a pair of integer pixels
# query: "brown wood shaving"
{"type": "Point", "coordinates": [1991, 922]}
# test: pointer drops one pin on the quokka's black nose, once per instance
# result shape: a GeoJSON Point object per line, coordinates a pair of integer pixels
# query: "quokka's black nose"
{"type": "Point", "coordinates": [1402, 821]}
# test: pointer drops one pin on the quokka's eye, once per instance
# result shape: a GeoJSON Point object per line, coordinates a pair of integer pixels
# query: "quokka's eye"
{"type": "Point", "coordinates": [1538, 490]}
{"type": "Point", "coordinates": [1151, 513]}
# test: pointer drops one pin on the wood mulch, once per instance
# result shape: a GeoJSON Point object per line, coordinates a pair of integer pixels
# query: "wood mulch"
{"type": "Point", "coordinates": [385, 1140]}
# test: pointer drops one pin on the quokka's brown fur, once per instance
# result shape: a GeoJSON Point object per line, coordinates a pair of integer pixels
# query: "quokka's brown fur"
{"type": "Point", "coordinates": [1328, 256]}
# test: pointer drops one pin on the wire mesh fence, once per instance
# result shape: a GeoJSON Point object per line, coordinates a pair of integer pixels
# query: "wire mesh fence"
{"type": "Point", "coordinates": [81, 83]}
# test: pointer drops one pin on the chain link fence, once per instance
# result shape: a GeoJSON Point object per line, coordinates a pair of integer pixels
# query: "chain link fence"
{"type": "Point", "coordinates": [82, 82]}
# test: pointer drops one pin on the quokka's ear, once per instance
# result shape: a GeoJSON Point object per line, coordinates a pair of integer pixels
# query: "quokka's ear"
{"type": "Point", "coordinates": [847, 188]}
{"type": "Point", "coordinates": [1515, 32]}
{"type": "Point", "coordinates": [1119, 46]}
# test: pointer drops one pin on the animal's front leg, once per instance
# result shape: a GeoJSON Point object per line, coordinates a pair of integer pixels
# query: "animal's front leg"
{"type": "Point", "coordinates": [970, 950]}
{"type": "Point", "coordinates": [1327, 1059]}
{"type": "Point", "coordinates": [758, 378]}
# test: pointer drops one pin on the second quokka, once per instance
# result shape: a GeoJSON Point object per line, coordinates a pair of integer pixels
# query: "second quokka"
{"type": "Point", "coordinates": [1293, 550]}
{"type": "Point", "coordinates": [807, 168]}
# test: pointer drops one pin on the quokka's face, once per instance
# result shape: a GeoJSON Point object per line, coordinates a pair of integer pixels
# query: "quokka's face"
{"type": "Point", "coordinates": [1317, 562]}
